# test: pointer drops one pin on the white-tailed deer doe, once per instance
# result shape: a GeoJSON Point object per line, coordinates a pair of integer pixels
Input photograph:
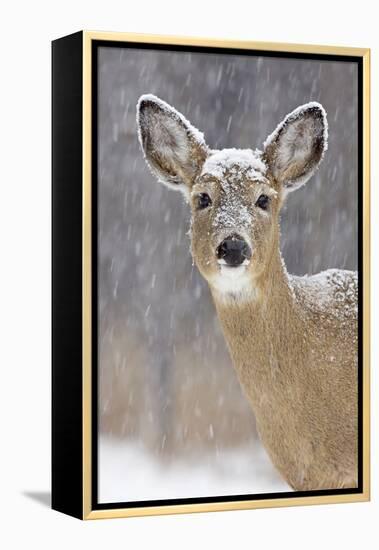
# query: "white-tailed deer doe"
{"type": "Point", "coordinates": [293, 340]}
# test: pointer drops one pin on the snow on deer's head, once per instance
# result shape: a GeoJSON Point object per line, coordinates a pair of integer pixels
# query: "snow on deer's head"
{"type": "Point", "coordinates": [235, 194]}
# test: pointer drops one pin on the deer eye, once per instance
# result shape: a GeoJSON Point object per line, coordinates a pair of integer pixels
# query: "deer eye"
{"type": "Point", "coordinates": [263, 202]}
{"type": "Point", "coordinates": [203, 201]}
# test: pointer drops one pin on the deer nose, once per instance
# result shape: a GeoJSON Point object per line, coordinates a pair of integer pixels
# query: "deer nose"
{"type": "Point", "coordinates": [234, 250]}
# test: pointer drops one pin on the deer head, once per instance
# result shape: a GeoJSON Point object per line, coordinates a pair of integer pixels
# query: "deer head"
{"type": "Point", "coordinates": [235, 195]}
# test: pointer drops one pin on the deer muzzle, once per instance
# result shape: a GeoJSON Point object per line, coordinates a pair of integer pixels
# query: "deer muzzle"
{"type": "Point", "coordinates": [233, 251]}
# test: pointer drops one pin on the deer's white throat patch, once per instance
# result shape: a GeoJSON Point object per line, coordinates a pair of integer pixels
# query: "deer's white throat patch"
{"type": "Point", "coordinates": [233, 282]}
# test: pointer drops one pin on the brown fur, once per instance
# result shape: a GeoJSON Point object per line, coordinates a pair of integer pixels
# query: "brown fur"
{"type": "Point", "coordinates": [293, 340]}
{"type": "Point", "coordinates": [297, 365]}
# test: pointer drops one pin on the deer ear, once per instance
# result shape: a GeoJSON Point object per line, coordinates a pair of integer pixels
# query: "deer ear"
{"type": "Point", "coordinates": [295, 149]}
{"type": "Point", "coordinates": [174, 149]}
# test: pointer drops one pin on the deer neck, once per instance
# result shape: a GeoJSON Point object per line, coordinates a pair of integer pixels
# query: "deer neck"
{"type": "Point", "coordinates": [261, 330]}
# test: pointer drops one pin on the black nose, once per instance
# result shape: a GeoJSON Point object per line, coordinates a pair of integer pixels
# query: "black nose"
{"type": "Point", "coordinates": [233, 250]}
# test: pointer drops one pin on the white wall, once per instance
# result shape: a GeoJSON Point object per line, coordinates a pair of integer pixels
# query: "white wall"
{"type": "Point", "coordinates": [27, 28]}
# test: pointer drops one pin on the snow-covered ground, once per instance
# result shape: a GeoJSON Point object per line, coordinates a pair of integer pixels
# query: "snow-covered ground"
{"type": "Point", "coordinates": [128, 473]}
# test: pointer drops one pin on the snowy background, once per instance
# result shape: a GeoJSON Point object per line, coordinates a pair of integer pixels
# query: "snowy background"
{"type": "Point", "coordinates": [173, 419]}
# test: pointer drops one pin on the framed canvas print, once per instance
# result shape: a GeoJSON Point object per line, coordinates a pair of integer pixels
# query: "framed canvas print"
{"type": "Point", "coordinates": [210, 275]}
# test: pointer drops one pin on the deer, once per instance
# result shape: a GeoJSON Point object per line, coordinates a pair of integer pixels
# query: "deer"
{"type": "Point", "coordinates": [293, 340]}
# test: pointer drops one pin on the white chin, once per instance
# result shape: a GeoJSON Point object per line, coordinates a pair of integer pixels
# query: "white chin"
{"type": "Point", "coordinates": [232, 272]}
{"type": "Point", "coordinates": [232, 280]}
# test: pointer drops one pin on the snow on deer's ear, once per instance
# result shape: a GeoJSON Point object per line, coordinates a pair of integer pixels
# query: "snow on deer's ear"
{"type": "Point", "coordinates": [174, 149]}
{"type": "Point", "coordinates": [295, 149]}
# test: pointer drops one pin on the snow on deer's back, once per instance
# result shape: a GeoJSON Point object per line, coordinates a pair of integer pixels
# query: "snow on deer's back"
{"type": "Point", "coordinates": [293, 340]}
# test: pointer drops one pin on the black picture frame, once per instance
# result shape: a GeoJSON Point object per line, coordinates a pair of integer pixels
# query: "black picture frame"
{"type": "Point", "coordinates": [74, 258]}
